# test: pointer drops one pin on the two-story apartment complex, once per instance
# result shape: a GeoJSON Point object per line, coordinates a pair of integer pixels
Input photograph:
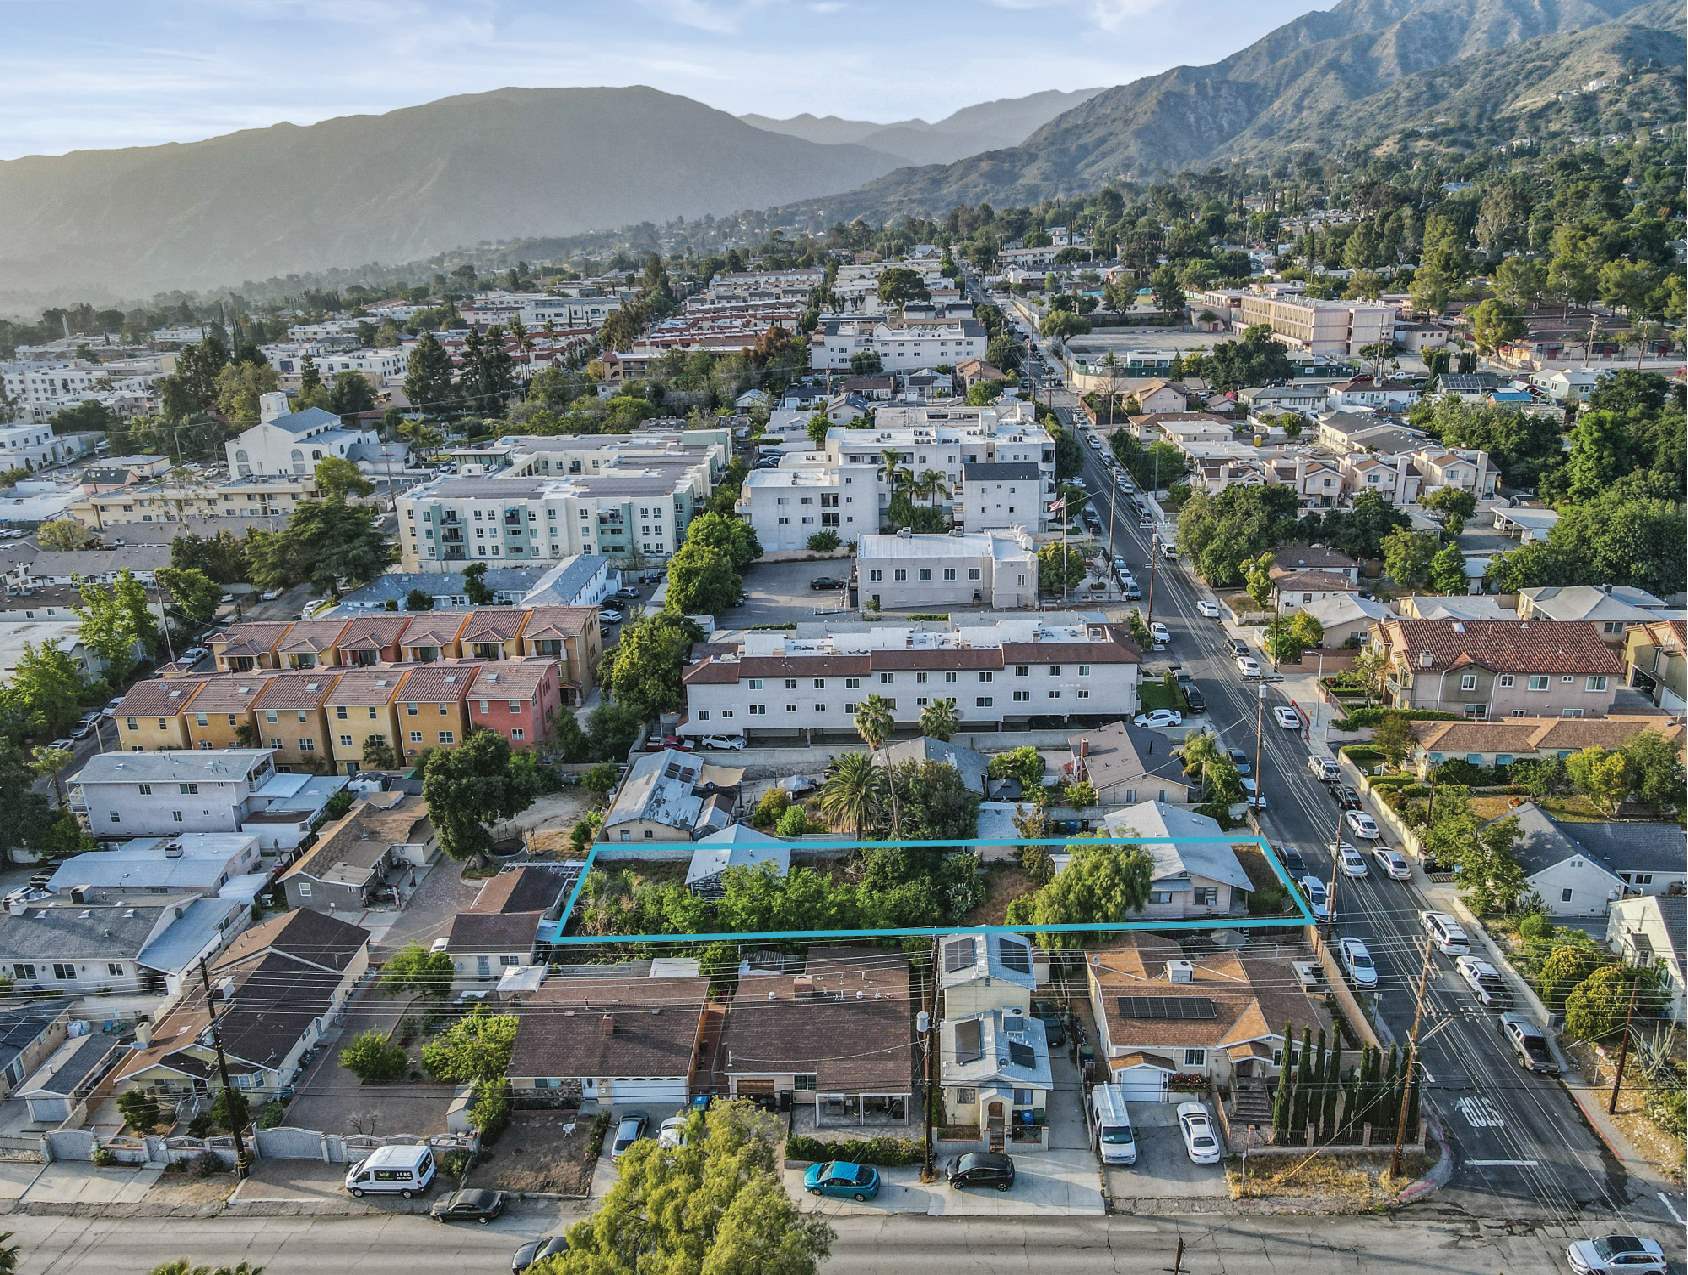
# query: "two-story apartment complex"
{"type": "Point", "coordinates": [1499, 668]}
{"type": "Point", "coordinates": [995, 569]}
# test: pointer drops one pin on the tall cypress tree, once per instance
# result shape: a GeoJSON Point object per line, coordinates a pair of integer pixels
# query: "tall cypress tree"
{"type": "Point", "coordinates": [1303, 1086]}
{"type": "Point", "coordinates": [1316, 1096]}
{"type": "Point", "coordinates": [1333, 1088]}
{"type": "Point", "coordinates": [1281, 1099]}
{"type": "Point", "coordinates": [1351, 1099]}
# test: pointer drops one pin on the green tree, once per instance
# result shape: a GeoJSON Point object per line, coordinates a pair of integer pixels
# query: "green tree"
{"type": "Point", "coordinates": [1101, 883]}
{"type": "Point", "coordinates": [701, 580]}
{"type": "Point", "coordinates": [65, 535]}
{"type": "Point", "coordinates": [1257, 578]}
{"type": "Point", "coordinates": [1520, 283]}
{"type": "Point", "coordinates": [1454, 504]}
{"type": "Point", "coordinates": [474, 585]}
{"type": "Point", "coordinates": [473, 1049]}
{"type": "Point", "coordinates": [1600, 775]}
{"type": "Point", "coordinates": [378, 753]}
{"type": "Point", "coordinates": [239, 386]}
{"type": "Point", "coordinates": [853, 794]}
{"type": "Point", "coordinates": [332, 544]}
{"type": "Point", "coordinates": [222, 556]}
{"type": "Point", "coordinates": [418, 970]}
{"type": "Point", "coordinates": [1596, 1008]}
{"type": "Point", "coordinates": [1566, 965]}
{"type": "Point", "coordinates": [727, 534]}
{"type": "Point", "coordinates": [350, 394]}
{"type": "Point", "coordinates": [139, 1109]}
{"type": "Point", "coordinates": [1654, 767]}
{"type": "Point", "coordinates": [428, 381]}
{"type": "Point", "coordinates": [1393, 738]}
{"type": "Point", "coordinates": [194, 596]}
{"type": "Point", "coordinates": [1490, 876]}
{"type": "Point", "coordinates": [1493, 325]}
{"type": "Point", "coordinates": [1446, 572]}
{"type": "Point", "coordinates": [1167, 291]}
{"type": "Point", "coordinates": [312, 392]}
{"type": "Point", "coordinates": [1407, 556]}
{"type": "Point", "coordinates": [642, 672]}
{"type": "Point", "coordinates": [715, 1206]}
{"type": "Point", "coordinates": [899, 285]}
{"type": "Point", "coordinates": [873, 721]}
{"type": "Point", "coordinates": [1023, 764]}
{"type": "Point", "coordinates": [467, 788]}
{"type": "Point", "coordinates": [1060, 568]}
{"type": "Point", "coordinates": [338, 477]}
{"type": "Point", "coordinates": [181, 1266]}
{"type": "Point", "coordinates": [938, 720]}
{"type": "Point", "coordinates": [116, 622]}
{"type": "Point", "coordinates": [1441, 267]}
{"type": "Point", "coordinates": [373, 1059]}
{"type": "Point", "coordinates": [46, 688]}
{"type": "Point", "coordinates": [819, 424]}
{"type": "Point", "coordinates": [1289, 636]}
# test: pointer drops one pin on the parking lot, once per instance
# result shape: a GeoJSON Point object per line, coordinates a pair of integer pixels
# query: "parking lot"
{"type": "Point", "coordinates": [779, 593]}
{"type": "Point", "coordinates": [1163, 1170]}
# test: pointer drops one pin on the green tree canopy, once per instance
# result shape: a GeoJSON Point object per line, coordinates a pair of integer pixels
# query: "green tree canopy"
{"type": "Point", "coordinates": [643, 670]}
{"type": "Point", "coordinates": [338, 477]}
{"type": "Point", "coordinates": [1101, 883]}
{"type": "Point", "coordinates": [468, 788]}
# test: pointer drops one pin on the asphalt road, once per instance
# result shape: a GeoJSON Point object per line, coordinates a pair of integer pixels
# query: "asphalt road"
{"type": "Point", "coordinates": [398, 1245]}
{"type": "Point", "coordinates": [1522, 1145]}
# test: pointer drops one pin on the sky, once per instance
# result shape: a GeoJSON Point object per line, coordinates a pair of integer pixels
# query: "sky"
{"type": "Point", "coordinates": [106, 73]}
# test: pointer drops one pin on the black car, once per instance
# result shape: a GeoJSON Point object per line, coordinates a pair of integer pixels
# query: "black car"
{"type": "Point", "coordinates": [537, 1250]}
{"type": "Point", "coordinates": [822, 583]}
{"type": "Point", "coordinates": [982, 1168]}
{"type": "Point", "coordinates": [468, 1206]}
{"type": "Point", "coordinates": [1348, 799]}
{"type": "Point", "coordinates": [1194, 700]}
{"type": "Point", "coordinates": [1054, 1024]}
{"type": "Point", "coordinates": [1237, 646]}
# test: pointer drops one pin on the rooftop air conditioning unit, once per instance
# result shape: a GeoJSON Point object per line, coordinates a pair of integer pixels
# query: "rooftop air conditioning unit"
{"type": "Point", "coordinates": [1180, 972]}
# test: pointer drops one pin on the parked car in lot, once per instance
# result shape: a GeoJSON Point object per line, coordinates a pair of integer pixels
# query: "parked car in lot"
{"type": "Point", "coordinates": [629, 1131]}
{"type": "Point", "coordinates": [733, 743]}
{"type": "Point", "coordinates": [672, 1133]}
{"type": "Point", "coordinates": [1393, 863]}
{"type": "Point", "coordinates": [1445, 933]}
{"type": "Point", "coordinates": [468, 1206]}
{"type": "Point", "coordinates": [840, 1178]}
{"type": "Point", "coordinates": [1485, 982]}
{"type": "Point", "coordinates": [1352, 861]}
{"type": "Point", "coordinates": [982, 1168]}
{"type": "Point", "coordinates": [1356, 959]}
{"type": "Point", "coordinates": [537, 1250]}
{"type": "Point", "coordinates": [1317, 899]}
{"type": "Point", "coordinates": [1529, 1042]}
{"type": "Point", "coordinates": [1208, 609]}
{"type": "Point", "coordinates": [1286, 717]}
{"type": "Point", "coordinates": [822, 583]}
{"type": "Point", "coordinates": [1159, 718]}
{"type": "Point", "coordinates": [1199, 1138]}
{"type": "Point", "coordinates": [1361, 824]}
{"type": "Point", "coordinates": [1617, 1255]}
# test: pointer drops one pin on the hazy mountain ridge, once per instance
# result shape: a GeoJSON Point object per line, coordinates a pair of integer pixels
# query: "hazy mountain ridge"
{"type": "Point", "coordinates": [392, 187]}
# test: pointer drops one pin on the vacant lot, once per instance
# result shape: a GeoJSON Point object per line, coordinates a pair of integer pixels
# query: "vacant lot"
{"type": "Point", "coordinates": [546, 1151]}
{"type": "Point", "coordinates": [1004, 882]}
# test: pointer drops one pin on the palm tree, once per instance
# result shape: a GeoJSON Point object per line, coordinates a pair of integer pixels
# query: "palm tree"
{"type": "Point", "coordinates": [874, 725]}
{"type": "Point", "coordinates": [931, 483]}
{"type": "Point", "coordinates": [853, 793]}
{"type": "Point", "coordinates": [895, 474]}
{"type": "Point", "coordinates": [938, 720]}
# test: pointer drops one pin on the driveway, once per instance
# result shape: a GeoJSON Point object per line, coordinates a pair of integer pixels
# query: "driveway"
{"type": "Point", "coordinates": [428, 912]}
{"type": "Point", "coordinates": [1163, 1170]}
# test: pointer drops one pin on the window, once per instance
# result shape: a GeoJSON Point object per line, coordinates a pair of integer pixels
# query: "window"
{"type": "Point", "coordinates": [758, 710]}
{"type": "Point", "coordinates": [1022, 670]}
{"type": "Point", "coordinates": [1084, 670]}
{"type": "Point", "coordinates": [755, 683]}
{"type": "Point", "coordinates": [950, 676]}
{"type": "Point", "coordinates": [1207, 895]}
{"type": "Point", "coordinates": [1021, 697]}
{"type": "Point", "coordinates": [885, 679]}
{"type": "Point", "coordinates": [24, 971]}
{"type": "Point", "coordinates": [1195, 1057]}
{"type": "Point", "coordinates": [114, 969]}
{"type": "Point", "coordinates": [966, 1095]}
{"type": "Point", "coordinates": [820, 683]}
{"type": "Point", "coordinates": [416, 737]}
{"type": "Point", "coordinates": [985, 675]}
{"type": "Point", "coordinates": [852, 683]}
{"type": "Point", "coordinates": [1507, 681]}
{"type": "Point", "coordinates": [345, 741]}
{"type": "Point", "coordinates": [1538, 682]}
{"type": "Point", "coordinates": [64, 971]}
{"type": "Point", "coordinates": [1596, 683]}
{"type": "Point", "coordinates": [1468, 682]}
{"type": "Point", "coordinates": [1024, 1098]}
{"type": "Point", "coordinates": [804, 1082]}
{"type": "Point", "coordinates": [983, 701]}
{"type": "Point", "coordinates": [1054, 670]}
{"type": "Point", "coordinates": [190, 790]}
{"type": "Point", "coordinates": [1565, 896]}
{"type": "Point", "coordinates": [176, 815]}
{"type": "Point", "coordinates": [1084, 694]}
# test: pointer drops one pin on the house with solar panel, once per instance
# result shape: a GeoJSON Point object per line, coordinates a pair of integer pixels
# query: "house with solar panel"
{"type": "Point", "coordinates": [994, 1067]}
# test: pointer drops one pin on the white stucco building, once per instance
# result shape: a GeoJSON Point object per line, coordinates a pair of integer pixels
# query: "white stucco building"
{"type": "Point", "coordinates": [908, 572]}
{"type": "Point", "coordinates": [288, 443]}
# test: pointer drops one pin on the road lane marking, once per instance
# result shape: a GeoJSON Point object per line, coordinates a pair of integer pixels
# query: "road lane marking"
{"type": "Point", "coordinates": [1503, 1164]}
{"type": "Point", "coordinates": [1480, 1113]}
{"type": "Point", "coordinates": [1665, 1200]}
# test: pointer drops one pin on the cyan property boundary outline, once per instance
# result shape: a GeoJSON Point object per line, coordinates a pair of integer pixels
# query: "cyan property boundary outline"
{"type": "Point", "coordinates": [1302, 914]}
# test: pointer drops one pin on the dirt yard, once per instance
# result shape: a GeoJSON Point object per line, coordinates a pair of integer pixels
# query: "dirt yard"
{"type": "Point", "coordinates": [547, 1151]}
{"type": "Point", "coordinates": [1660, 1149]}
{"type": "Point", "coordinates": [1358, 1182]}
{"type": "Point", "coordinates": [1004, 882]}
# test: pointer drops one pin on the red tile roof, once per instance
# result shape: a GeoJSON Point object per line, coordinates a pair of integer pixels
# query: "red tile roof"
{"type": "Point", "coordinates": [513, 679]}
{"type": "Point", "coordinates": [161, 697]}
{"type": "Point", "coordinates": [372, 632]}
{"type": "Point", "coordinates": [1504, 646]}
{"type": "Point", "coordinates": [493, 624]}
{"type": "Point", "coordinates": [307, 688]}
{"type": "Point", "coordinates": [442, 683]}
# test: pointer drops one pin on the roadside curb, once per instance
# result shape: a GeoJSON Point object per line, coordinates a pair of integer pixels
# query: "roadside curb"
{"type": "Point", "coordinates": [1439, 1173]}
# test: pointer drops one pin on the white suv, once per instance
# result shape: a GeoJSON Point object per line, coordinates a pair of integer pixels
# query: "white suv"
{"type": "Point", "coordinates": [1446, 933]}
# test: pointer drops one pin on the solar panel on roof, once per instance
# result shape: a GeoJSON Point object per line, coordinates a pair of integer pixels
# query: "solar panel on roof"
{"type": "Point", "coordinates": [1015, 956]}
{"type": "Point", "coordinates": [969, 1045]}
{"type": "Point", "coordinates": [1170, 1008]}
{"type": "Point", "coordinates": [1021, 1055]}
{"type": "Point", "coordinates": [959, 954]}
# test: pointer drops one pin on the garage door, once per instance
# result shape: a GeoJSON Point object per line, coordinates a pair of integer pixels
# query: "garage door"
{"type": "Point", "coordinates": [1142, 1084]}
{"type": "Point", "coordinates": [665, 1090]}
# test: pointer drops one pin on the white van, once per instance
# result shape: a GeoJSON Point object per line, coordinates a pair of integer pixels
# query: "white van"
{"type": "Point", "coordinates": [405, 1169]}
{"type": "Point", "coordinates": [1116, 1143]}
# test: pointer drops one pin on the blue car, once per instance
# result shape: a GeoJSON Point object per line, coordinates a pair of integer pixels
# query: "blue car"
{"type": "Point", "coordinates": [835, 1177]}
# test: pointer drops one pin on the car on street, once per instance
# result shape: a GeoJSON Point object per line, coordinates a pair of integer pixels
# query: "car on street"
{"type": "Point", "coordinates": [1617, 1255]}
{"type": "Point", "coordinates": [537, 1250]}
{"type": "Point", "coordinates": [1208, 609]}
{"type": "Point", "coordinates": [841, 1178]}
{"type": "Point", "coordinates": [1159, 718]}
{"type": "Point", "coordinates": [110, 710]}
{"type": "Point", "coordinates": [1132, 593]}
{"type": "Point", "coordinates": [1248, 666]}
{"type": "Point", "coordinates": [85, 727]}
{"type": "Point", "coordinates": [1193, 697]}
{"type": "Point", "coordinates": [1317, 900]}
{"type": "Point", "coordinates": [1361, 824]}
{"type": "Point", "coordinates": [269, 595]}
{"type": "Point", "coordinates": [1485, 982]}
{"type": "Point", "coordinates": [1446, 934]}
{"type": "Point", "coordinates": [625, 595]}
{"type": "Point", "coordinates": [65, 745]}
{"type": "Point", "coordinates": [821, 583]}
{"type": "Point", "coordinates": [1159, 633]}
{"type": "Point", "coordinates": [1121, 566]}
{"type": "Point", "coordinates": [629, 1131]}
{"type": "Point", "coordinates": [1291, 858]}
{"type": "Point", "coordinates": [1345, 796]}
{"type": "Point", "coordinates": [1240, 760]}
{"type": "Point", "coordinates": [1199, 1138]}
{"type": "Point", "coordinates": [1353, 862]}
{"type": "Point", "coordinates": [733, 743]}
{"type": "Point", "coordinates": [609, 615]}
{"type": "Point", "coordinates": [981, 1168]}
{"type": "Point", "coordinates": [1286, 717]}
{"type": "Point", "coordinates": [468, 1206]}
{"type": "Point", "coordinates": [1356, 959]}
{"type": "Point", "coordinates": [1323, 768]}
{"type": "Point", "coordinates": [1236, 646]}
{"type": "Point", "coordinates": [1529, 1042]}
{"type": "Point", "coordinates": [1393, 863]}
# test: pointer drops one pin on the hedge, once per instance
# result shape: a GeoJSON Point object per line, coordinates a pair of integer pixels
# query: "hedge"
{"type": "Point", "coordinates": [886, 1151]}
{"type": "Point", "coordinates": [1373, 714]}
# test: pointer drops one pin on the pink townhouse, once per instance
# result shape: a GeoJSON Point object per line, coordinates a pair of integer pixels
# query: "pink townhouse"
{"type": "Point", "coordinates": [520, 699]}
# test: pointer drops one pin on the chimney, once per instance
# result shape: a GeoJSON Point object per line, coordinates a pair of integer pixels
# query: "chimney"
{"type": "Point", "coordinates": [1084, 747]}
{"type": "Point", "coordinates": [1180, 972]}
{"type": "Point", "coordinates": [606, 1025]}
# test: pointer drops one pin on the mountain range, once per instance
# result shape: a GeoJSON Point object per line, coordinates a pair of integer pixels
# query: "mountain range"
{"type": "Point", "coordinates": [1364, 72]}
{"type": "Point", "coordinates": [985, 126]}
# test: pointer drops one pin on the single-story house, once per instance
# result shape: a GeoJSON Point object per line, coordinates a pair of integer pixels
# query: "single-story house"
{"type": "Point", "coordinates": [1120, 772]}
{"type": "Point", "coordinates": [500, 930]}
{"type": "Point", "coordinates": [1511, 739]}
{"type": "Point", "coordinates": [971, 766]}
{"type": "Point", "coordinates": [28, 1035]}
{"type": "Point", "coordinates": [67, 1078]}
{"type": "Point", "coordinates": [672, 796]}
{"type": "Point", "coordinates": [738, 846]}
{"type": "Point", "coordinates": [382, 839]}
{"type": "Point", "coordinates": [1195, 872]}
{"type": "Point", "coordinates": [1580, 869]}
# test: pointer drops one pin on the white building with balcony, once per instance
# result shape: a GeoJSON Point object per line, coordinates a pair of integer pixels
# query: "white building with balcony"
{"type": "Point", "coordinates": [804, 497]}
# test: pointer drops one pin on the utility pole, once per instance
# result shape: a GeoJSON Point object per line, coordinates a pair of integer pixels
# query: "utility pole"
{"type": "Point", "coordinates": [1335, 875]}
{"type": "Point", "coordinates": [1623, 1046]}
{"type": "Point", "coordinates": [1412, 1061]}
{"type": "Point", "coordinates": [236, 1103]}
{"type": "Point", "coordinates": [1259, 737]}
{"type": "Point", "coordinates": [927, 1089]}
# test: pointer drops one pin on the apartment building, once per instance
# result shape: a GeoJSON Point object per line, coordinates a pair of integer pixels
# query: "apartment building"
{"type": "Point", "coordinates": [172, 500]}
{"type": "Point", "coordinates": [901, 344]}
{"type": "Point", "coordinates": [1318, 327]}
{"type": "Point", "coordinates": [31, 447]}
{"type": "Point", "coordinates": [1000, 494]}
{"type": "Point", "coordinates": [362, 714]}
{"type": "Point", "coordinates": [908, 572]}
{"type": "Point", "coordinates": [288, 714]}
{"type": "Point", "coordinates": [1499, 668]}
{"type": "Point", "coordinates": [804, 496]}
{"type": "Point", "coordinates": [569, 312]}
{"type": "Point", "coordinates": [1002, 671]}
{"type": "Point", "coordinates": [122, 795]}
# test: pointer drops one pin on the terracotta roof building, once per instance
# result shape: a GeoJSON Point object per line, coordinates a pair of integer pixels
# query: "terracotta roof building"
{"type": "Point", "coordinates": [1499, 668]}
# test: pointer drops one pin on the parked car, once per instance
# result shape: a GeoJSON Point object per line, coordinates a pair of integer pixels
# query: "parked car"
{"type": "Point", "coordinates": [822, 583]}
{"type": "Point", "coordinates": [1121, 566]}
{"type": "Point", "coordinates": [629, 1131]}
{"type": "Point", "coordinates": [1317, 900]}
{"type": "Point", "coordinates": [1485, 982]}
{"type": "Point", "coordinates": [1132, 593]}
{"type": "Point", "coordinates": [1617, 1255]}
{"type": "Point", "coordinates": [1248, 666]}
{"type": "Point", "coordinates": [1393, 863]}
{"type": "Point", "coordinates": [1236, 646]}
{"type": "Point", "coordinates": [1159, 718]}
{"type": "Point", "coordinates": [537, 1250]}
{"type": "Point", "coordinates": [1291, 858]}
{"type": "Point", "coordinates": [1445, 933]}
{"type": "Point", "coordinates": [672, 1133]}
{"type": "Point", "coordinates": [1356, 959]}
{"type": "Point", "coordinates": [981, 1168]}
{"type": "Point", "coordinates": [1323, 768]}
{"type": "Point", "coordinates": [68, 745]}
{"type": "Point", "coordinates": [1361, 824]}
{"type": "Point", "coordinates": [1345, 796]}
{"type": "Point", "coordinates": [1054, 1025]}
{"type": "Point", "coordinates": [1159, 633]}
{"type": "Point", "coordinates": [1241, 761]}
{"type": "Point", "coordinates": [468, 1206]}
{"type": "Point", "coordinates": [733, 743]}
{"type": "Point", "coordinates": [1197, 1127]}
{"type": "Point", "coordinates": [839, 1177]}
{"type": "Point", "coordinates": [269, 595]}
{"type": "Point", "coordinates": [1286, 717]}
{"type": "Point", "coordinates": [1529, 1042]}
{"type": "Point", "coordinates": [1352, 861]}
{"type": "Point", "coordinates": [1193, 698]}
{"type": "Point", "coordinates": [85, 727]}
{"type": "Point", "coordinates": [609, 615]}
{"type": "Point", "coordinates": [110, 710]}
{"type": "Point", "coordinates": [194, 654]}
{"type": "Point", "coordinates": [1208, 609]}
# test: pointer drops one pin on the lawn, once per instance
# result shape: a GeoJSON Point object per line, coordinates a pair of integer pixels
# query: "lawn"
{"type": "Point", "coordinates": [1155, 694]}
{"type": "Point", "coordinates": [1571, 809]}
